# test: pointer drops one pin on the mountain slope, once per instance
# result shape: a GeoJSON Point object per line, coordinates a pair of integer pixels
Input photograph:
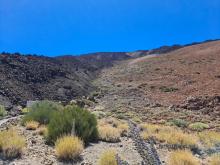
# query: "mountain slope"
{"type": "Point", "coordinates": [63, 78]}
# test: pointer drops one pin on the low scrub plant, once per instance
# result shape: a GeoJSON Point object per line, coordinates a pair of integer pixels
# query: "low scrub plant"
{"type": "Point", "coordinates": [2, 111]}
{"type": "Point", "coordinates": [182, 157]}
{"type": "Point", "coordinates": [73, 120]}
{"type": "Point", "coordinates": [109, 134]}
{"type": "Point", "coordinates": [214, 159]}
{"type": "Point", "coordinates": [209, 138]}
{"type": "Point", "coordinates": [198, 126]}
{"type": "Point", "coordinates": [68, 147]}
{"type": "Point", "coordinates": [108, 158]}
{"type": "Point", "coordinates": [31, 125]}
{"type": "Point", "coordinates": [11, 144]}
{"type": "Point", "coordinates": [42, 112]}
{"type": "Point", "coordinates": [179, 123]}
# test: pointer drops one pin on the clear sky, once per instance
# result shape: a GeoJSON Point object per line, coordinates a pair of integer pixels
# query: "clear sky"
{"type": "Point", "coordinates": [57, 27]}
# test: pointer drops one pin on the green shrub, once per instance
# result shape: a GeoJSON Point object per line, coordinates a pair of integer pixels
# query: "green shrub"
{"type": "Point", "coordinates": [2, 111]}
{"type": "Point", "coordinates": [73, 120]}
{"type": "Point", "coordinates": [198, 126]}
{"type": "Point", "coordinates": [42, 112]}
{"type": "Point", "coordinates": [179, 123]}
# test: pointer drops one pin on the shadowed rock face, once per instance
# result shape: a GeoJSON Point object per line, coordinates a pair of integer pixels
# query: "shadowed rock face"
{"type": "Point", "coordinates": [62, 78]}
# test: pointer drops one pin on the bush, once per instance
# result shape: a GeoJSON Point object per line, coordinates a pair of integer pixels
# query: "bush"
{"type": "Point", "coordinates": [31, 125]}
{"type": "Point", "coordinates": [108, 158]}
{"type": "Point", "coordinates": [182, 157]}
{"type": "Point", "coordinates": [198, 126]}
{"type": "Point", "coordinates": [179, 123]}
{"type": "Point", "coordinates": [214, 159]}
{"type": "Point", "coordinates": [11, 144]}
{"type": "Point", "coordinates": [109, 134]}
{"type": "Point", "coordinates": [68, 147]}
{"type": "Point", "coordinates": [2, 111]}
{"type": "Point", "coordinates": [73, 120]}
{"type": "Point", "coordinates": [42, 112]}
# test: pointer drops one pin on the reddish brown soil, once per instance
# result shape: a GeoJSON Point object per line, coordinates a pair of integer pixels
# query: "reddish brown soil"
{"type": "Point", "coordinates": [171, 78]}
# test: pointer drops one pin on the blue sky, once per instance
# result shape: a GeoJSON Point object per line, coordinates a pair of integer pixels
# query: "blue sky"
{"type": "Point", "coordinates": [57, 27]}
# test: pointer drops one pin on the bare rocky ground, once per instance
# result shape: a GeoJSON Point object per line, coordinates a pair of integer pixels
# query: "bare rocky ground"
{"type": "Point", "coordinates": [38, 153]}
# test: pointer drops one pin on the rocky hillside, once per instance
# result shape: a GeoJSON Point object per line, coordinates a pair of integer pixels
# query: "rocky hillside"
{"type": "Point", "coordinates": [154, 85]}
{"type": "Point", "coordinates": [63, 78]}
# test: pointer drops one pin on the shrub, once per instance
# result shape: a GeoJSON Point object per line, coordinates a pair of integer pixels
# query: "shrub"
{"type": "Point", "coordinates": [31, 125]}
{"type": "Point", "coordinates": [108, 158]}
{"type": "Point", "coordinates": [182, 157]}
{"type": "Point", "coordinates": [214, 159]}
{"type": "Point", "coordinates": [73, 120]}
{"type": "Point", "coordinates": [209, 138]}
{"type": "Point", "coordinates": [42, 112]}
{"type": "Point", "coordinates": [109, 134]}
{"type": "Point", "coordinates": [68, 147]}
{"type": "Point", "coordinates": [2, 111]}
{"type": "Point", "coordinates": [179, 123]}
{"type": "Point", "coordinates": [198, 126]}
{"type": "Point", "coordinates": [11, 144]}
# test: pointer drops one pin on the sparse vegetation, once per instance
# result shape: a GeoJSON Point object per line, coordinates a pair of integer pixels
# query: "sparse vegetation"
{"type": "Point", "coordinates": [42, 112]}
{"type": "Point", "coordinates": [168, 134]}
{"type": "Point", "coordinates": [11, 144]}
{"type": "Point", "coordinates": [198, 126]}
{"type": "Point", "coordinates": [31, 125]}
{"type": "Point", "coordinates": [73, 120]}
{"type": "Point", "coordinates": [209, 138]}
{"type": "Point", "coordinates": [2, 111]}
{"type": "Point", "coordinates": [108, 158]}
{"type": "Point", "coordinates": [68, 147]}
{"type": "Point", "coordinates": [181, 157]}
{"type": "Point", "coordinates": [214, 159]}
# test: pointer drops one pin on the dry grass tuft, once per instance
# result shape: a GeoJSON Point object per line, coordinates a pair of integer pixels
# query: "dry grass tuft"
{"type": "Point", "coordinates": [109, 134]}
{"type": "Point", "coordinates": [68, 147]}
{"type": "Point", "coordinates": [181, 157]}
{"type": "Point", "coordinates": [214, 159]}
{"type": "Point", "coordinates": [108, 158]}
{"type": "Point", "coordinates": [209, 138]}
{"type": "Point", "coordinates": [31, 125]}
{"type": "Point", "coordinates": [11, 144]}
{"type": "Point", "coordinates": [123, 129]}
{"type": "Point", "coordinates": [168, 134]}
{"type": "Point", "coordinates": [43, 130]}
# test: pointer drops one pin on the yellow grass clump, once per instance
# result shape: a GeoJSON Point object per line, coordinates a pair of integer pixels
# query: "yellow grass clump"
{"type": "Point", "coordinates": [43, 130]}
{"type": "Point", "coordinates": [123, 129]}
{"type": "Point", "coordinates": [108, 158]}
{"type": "Point", "coordinates": [68, 147]}
{"type": "Point", "coordinates": [31, 125]}
{"type": "Point", "coordinates": [168, 134]}
{"type": "Point", "coordinates": [182, 157]}
{"type": "Point", "coordinates": [214, 159]}
{"type": "Point", "coordinates": [11, 144]}
{"type": "Point", "coordinates": [209, 138]}
{"type": "Point", "coordinates": [109, 134]}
